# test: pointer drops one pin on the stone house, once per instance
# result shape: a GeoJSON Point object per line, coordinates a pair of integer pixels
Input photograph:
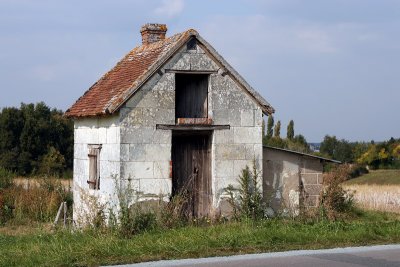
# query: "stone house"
{"type": "Point", "coordinates": [292, 179]}
{"type": "Point", "coordinates": [171, 116]}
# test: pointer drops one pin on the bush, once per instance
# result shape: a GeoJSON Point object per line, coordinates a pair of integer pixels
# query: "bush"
{"type": "Point", "coordinates": [246, 201]}
{"type": "Point", "coordinates": [334, 200]}
{"type": "Point", "coordinates": [357, 170]}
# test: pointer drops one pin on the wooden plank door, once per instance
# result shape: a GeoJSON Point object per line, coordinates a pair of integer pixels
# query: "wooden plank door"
{"type": "Point", "coordinates": [191, 171]}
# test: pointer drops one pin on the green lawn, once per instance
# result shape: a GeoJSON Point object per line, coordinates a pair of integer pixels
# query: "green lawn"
{"type": "Point", "coordinates": [92, 248]}
{"type": "Point", "coordinates": [380, 177]}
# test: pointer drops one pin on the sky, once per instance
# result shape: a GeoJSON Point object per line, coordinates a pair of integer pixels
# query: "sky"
{"type": "Point", "coordinates": [331, 66]}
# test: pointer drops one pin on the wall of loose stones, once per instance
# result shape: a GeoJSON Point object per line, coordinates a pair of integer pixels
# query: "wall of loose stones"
{"type": "Point", "coordinates": [104, 131]}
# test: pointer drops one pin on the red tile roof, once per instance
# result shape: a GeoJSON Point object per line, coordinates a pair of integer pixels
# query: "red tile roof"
{"type": "Point", "coordinates": [115, 84]}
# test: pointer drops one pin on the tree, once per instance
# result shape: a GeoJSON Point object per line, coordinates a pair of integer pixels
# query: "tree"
{"type": "Point", "coordinates": [27, 133]}
{"type": "Point", "coordinates": [270, 126]}
{"type": "Point", "coordinates": [290, 130]}
{"type": "Point", "coordinates": [277, 129]}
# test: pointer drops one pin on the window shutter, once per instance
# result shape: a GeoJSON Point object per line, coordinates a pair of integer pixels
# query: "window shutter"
{"type": "Point", "coordinates": [94, 166]}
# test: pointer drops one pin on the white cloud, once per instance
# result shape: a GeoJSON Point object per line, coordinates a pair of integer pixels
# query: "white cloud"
{"type": "Point", "coordinates": [170, 8]}
{"type": "Point", "coordinates": [315, 40]}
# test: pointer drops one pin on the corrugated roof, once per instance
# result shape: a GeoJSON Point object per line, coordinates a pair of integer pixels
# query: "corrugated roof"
{"type": "Point", "coordinates": [117, 85]}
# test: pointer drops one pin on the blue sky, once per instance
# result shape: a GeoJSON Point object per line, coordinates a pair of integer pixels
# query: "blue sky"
{"type": "Point", "coordinates": [331, 66]}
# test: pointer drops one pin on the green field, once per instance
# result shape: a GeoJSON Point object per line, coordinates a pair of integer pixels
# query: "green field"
{"type": "Point", "coordinates": [379, 177]}
{"type": "Point", "coordinates": [93, 248]}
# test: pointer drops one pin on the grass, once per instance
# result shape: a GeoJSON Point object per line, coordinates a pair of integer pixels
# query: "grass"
{"type": "Point", "coordinates": [379, 177]}
{"type": "Point", "coordinates": [376, 190]}
{"type": "Point", "coordinates": [92, 248]}
{"type": "Point", "coordinates": [376, 197]}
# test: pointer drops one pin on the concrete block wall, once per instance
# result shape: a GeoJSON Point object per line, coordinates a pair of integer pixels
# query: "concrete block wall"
{"type": "Point", "coordinates": [312, 178]}
{"type": "Point", "coordinates": [291, 178]}
{"type": "Point", "coordinates": [104, 131]}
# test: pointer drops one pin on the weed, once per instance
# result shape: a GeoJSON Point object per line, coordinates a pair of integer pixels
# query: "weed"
{"type": "Point", "coordinates": [334, 200]}
{"type": "Point", "coordinates": [246, 200]}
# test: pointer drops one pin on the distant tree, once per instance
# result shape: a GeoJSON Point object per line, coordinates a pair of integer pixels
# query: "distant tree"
{"type": "Point", "coordinates": [290, 130]}
{"type": "Point", "coordinates": [341, 150]}
{"type": "Point", "coordinates": [328, 146]}
{"type": "Point", "coordinates": [270, 126]}
{"type": "Point", "coordinates": [29, 132]}
{"type": "Point", "coordinates": [277, 129]}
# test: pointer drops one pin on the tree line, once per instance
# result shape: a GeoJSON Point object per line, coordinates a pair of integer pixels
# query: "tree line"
{"type": "Point", "coordinates": [273, 137]}
{"type": "Point", "coordinates": [35, 139]}
{"type": "Point", "coordinates": [376, 155]}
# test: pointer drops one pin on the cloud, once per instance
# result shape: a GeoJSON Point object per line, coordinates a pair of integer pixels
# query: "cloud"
{"type": "Point", "coordinates": [315, 40]}
{"type": "Point", "coordinates": [170, 8]}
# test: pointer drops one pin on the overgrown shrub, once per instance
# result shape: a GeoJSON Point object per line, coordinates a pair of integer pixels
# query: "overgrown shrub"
{"type": "Point", "coordinates": [133, 218]}
{"type": "Point", "coordinates": [246, 200]}
{"type": "Point", "coordinates": [357, 170]}
{"type": "Point", "coordinates": [334, 200]}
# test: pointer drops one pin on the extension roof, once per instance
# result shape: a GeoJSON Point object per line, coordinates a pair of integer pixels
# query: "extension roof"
{"type": "Point", "coordinates": [302, 154]}
{"type": "Point", "coordinates": [112, 90]}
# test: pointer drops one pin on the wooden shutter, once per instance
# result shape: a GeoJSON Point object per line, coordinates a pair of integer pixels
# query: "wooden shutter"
{"type": "Point", "coordinates": [94, 167]}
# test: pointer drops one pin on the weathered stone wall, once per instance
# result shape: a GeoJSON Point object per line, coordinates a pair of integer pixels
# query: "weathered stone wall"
{"type": "Point", "coordinates": [104, 131]}
{"type": "Point", "coordinates": [290, 178]}
{"type": "Point", "coordinates": [239, 146]}
{"type": "Point", "coordinates": [146, 152]}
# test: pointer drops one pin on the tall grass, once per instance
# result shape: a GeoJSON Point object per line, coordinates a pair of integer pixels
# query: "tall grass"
{"type": "Point", "coordinates": [36, 202]}
{"type": "Point", "coordinates": [92, 248]}
{"type": "Point", "coordinates": [376, 197]}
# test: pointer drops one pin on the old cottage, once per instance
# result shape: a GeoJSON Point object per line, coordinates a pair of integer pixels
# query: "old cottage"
{"type": "Point", "coordinates": [171, 115]}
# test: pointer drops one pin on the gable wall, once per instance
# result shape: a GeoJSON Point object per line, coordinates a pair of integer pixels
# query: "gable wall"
{"type": "Point", "coordinates": [146, 152]}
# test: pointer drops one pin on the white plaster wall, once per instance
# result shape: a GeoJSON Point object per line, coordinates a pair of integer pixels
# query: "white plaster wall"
{"type": "Point", "coordinates": [104, 131]}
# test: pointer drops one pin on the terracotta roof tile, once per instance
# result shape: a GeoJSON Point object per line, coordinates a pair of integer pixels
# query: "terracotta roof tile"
{"type": "Point", "coordinates": [116, 83]}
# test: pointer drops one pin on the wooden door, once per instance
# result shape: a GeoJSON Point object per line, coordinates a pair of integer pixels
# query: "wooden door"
{"type": "Point", "coordinates": [191, 171]}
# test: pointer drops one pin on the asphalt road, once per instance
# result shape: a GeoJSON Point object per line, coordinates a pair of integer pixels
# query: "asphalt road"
{"type": "Point", "coordinates": [373, 256]}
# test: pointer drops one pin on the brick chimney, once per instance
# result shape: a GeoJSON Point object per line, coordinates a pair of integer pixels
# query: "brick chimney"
{"type": "Point", "coordinates": [153, 32]}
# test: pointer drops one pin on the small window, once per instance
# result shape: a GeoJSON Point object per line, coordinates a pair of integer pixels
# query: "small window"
{"type": "Point", "coordinates": [94, 167]}
{"type": "Point", "coordinates": [191, 95]}
{"type": "Point", "coordinates": [192, 44]}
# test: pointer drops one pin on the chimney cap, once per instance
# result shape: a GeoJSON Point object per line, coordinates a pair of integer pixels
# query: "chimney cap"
{"type": "Point", "coordinates": [154, 27]}
{"type": "Point", "coordinates": [153, 32]}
